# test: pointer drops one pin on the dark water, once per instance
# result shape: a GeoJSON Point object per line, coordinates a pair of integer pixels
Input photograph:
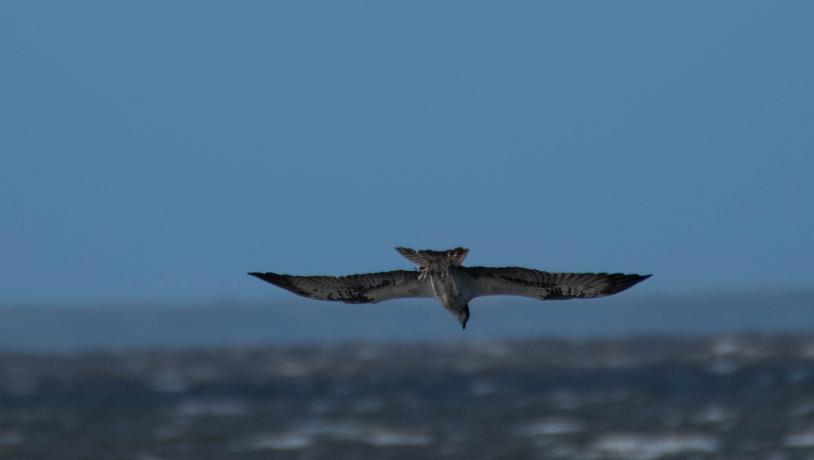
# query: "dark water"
{"type": "Point", "coordinates": [739, 397]}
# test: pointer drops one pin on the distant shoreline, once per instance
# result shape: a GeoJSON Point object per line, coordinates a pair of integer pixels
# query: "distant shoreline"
{"type": "Point", "coordinates": [296, 322]}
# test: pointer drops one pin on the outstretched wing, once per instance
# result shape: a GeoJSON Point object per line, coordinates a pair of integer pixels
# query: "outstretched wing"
{"type": "Point", "coordinates": [364, 288]}
{"type": "Point", "coordinates": [545, 285]}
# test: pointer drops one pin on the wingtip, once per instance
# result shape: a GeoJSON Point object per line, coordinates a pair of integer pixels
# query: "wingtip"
{"type": "Point", "coordinates": [266, 276]}
{"type": "Point", "coordinates": [621, 282]}
{"type": "Point", "coordinates": [634, 280]}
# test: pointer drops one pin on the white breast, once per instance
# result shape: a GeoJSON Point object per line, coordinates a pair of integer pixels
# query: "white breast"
{"type": "Point", "coordinates": [450, 288]}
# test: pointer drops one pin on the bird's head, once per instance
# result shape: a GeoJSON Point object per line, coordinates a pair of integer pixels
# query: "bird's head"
{"type": "Point", "coordinates": [463, 316]}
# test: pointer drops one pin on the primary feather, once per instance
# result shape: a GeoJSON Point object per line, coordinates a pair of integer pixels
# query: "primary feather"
{"type": "Point", "coordinates": [363, 288]}
{"type": "Point", "coordinates": [547, 285]}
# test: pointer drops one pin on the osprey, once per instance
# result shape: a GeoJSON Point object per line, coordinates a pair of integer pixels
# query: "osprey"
{"type": "Point", "coordinates": [440, 275]}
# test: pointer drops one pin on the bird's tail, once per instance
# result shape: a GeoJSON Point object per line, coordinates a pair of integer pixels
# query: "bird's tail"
{"type": "Point", "coordinates": [425, 258]}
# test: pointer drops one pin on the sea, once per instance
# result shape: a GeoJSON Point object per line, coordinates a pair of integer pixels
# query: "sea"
{"type": "Point", "coordinates": [709, 379]}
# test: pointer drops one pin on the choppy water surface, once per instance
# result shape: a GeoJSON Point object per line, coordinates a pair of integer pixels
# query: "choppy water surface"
{"type": "Point", "coordinates": [728, 397]}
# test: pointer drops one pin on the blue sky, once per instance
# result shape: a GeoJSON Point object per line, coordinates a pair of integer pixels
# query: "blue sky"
{"type": "Point", "coordinates": [157, 151]}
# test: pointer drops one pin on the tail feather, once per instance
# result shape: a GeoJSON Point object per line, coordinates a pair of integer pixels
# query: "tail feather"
{"type": "Point", "coordinates": [411, 255]}
{"type": "Point", "coordinates": [425, 258]}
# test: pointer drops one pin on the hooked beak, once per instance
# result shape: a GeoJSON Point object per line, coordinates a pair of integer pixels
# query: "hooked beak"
{"type": "Point", "coordinates": [463, 316]}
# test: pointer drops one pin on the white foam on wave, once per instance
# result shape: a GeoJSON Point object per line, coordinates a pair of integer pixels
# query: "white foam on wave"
{"type": "Point", "coordinates": [638, 446]}
{"type": "Point", "coordinates": [293, 369]}
{"type": "Point", "coordinates": [311, 433]}
{"type": "Point", "coordinates": [713, 415]}
{"type": "Point", "coordinates": [384, 438]}
{"type": "Point", "coordinates": [801, 439]}
{"type": "Point", "coordinates": [737, 347]}
{"type": "Point", "coordinates": [807, 350]}
{"type": "Point", "coordinates": [727, 346]}
{"type": "Point", "coordinates": [281, 441]}
{"type": "Point", "coordinates": [552, 426]}
{"type": "Point", "coordinates": [802, 408]}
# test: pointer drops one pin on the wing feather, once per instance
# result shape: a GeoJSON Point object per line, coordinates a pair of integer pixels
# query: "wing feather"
{"type": "Point", "coordinates": [362, 288]}
{"type": "Point", "coordinates": [547, 285]}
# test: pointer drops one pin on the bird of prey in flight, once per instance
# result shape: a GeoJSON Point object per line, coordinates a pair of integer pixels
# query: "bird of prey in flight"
{"type": "Point", "coordinates": [440, 275]}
